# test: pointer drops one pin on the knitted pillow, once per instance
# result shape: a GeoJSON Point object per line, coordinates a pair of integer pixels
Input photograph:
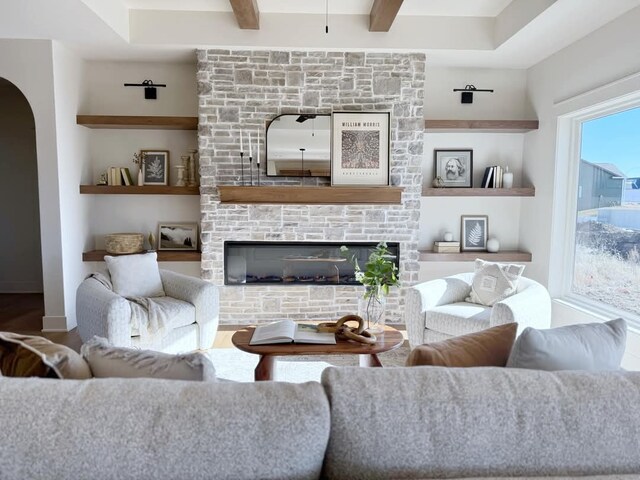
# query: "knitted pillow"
{"type": "Point", "coordinates": [33, 356]}
{"type": "Point", "coordinates": [486, 348]}
{"type": "Point", "coordinates": [107, 361]}
{"type": "Point", "coordinates": [493, 282]}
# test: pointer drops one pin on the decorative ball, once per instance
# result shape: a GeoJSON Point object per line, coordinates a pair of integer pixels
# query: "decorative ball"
{"type": "Point", "coordinates": [437, 182]}
{"type": "Point", "coordinates": [493, 245]}
{"type": "Point", "coordinates": [448, 237]}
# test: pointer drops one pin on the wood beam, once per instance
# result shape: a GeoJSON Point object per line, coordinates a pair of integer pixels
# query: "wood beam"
{"type": "Point", "coordinates": [383, 13]}
{"type": "Point", "coordinates": [247, 13]}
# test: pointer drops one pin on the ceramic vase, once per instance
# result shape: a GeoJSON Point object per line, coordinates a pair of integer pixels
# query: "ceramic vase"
{"type": "Point", "coordinates": [493, 245]}
{"type": "Point", "coordinates": [140, 177]}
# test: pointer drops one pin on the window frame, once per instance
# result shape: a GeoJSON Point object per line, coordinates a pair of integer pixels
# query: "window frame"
{"type": "Point", "coordinates": [571, 113]}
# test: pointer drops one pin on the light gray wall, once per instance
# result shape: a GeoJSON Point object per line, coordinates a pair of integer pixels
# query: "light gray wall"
{"type": "Point", "coordinates": [20, 257]}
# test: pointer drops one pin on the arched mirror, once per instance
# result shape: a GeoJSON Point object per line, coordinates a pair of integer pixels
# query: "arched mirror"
{"type": "Point", "coordinates": [299, 145]}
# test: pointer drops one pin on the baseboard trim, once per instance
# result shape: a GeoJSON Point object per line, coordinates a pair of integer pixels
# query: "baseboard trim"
{"type": "Point", "coordinates": [52, 323]}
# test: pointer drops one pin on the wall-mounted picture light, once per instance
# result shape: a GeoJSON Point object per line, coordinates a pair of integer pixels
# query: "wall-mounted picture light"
{"type": "Point", "coordinates": [150, 92]}
{"type": "Point", "coordinates": [467, 93]}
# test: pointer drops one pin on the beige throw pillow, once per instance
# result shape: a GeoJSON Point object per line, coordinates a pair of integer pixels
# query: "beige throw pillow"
{"type": "Point", "coordinates": [135, 275]}
{"type": "Point", "coordinates": [32, 356]}
{"type": "Point", "coordinates": [493, 282]}
{"type": "Point", "coordinates": [107, 361]}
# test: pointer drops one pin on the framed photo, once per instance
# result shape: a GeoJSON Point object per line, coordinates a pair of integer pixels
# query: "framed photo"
{"type": "Point", "coordinates": [474, 232]}
{"type": "Point", "coordinates": [155, 168]}
{"type": "Point", "coordinates": [178, 236]}
{"type": "Point", "coordinates": [454, 167]}
{"type": "Point", "coordinates": [360, 148]}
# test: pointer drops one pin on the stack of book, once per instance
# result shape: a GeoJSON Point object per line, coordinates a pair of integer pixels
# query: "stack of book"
{"type": "Point", "coordinates": [492, 177]}
{"type": "Point", "coordinates": [119, 176]}
{"type": "Point", "coordinates": [446, 247]}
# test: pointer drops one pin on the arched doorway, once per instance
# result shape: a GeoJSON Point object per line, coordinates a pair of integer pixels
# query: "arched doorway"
{"type": "Point", "coordinates": [21, 280]}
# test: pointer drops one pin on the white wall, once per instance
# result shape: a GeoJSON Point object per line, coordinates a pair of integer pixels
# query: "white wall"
{"type": "Point", "coordinates": [68, 76]}
{"type": "Point", "coordinates": [105, 94]}
{"type": "Point", "coordinates": [28, 65]}
{"type": "Point", "coordinates": [604, 56]}
{"type": "Point", "coordinates": [20, 260]}
{"type": "Point", "coordinates": [508, 102]}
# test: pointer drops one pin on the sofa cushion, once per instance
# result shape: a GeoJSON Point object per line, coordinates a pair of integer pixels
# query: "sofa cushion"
{"type": "Point", "coordinates": [106, 361]}
{"type": "Point", "coordinates": [135, 275]}
{"type": "Point", "coordinates": [33, 356]}
{"type": "Point", "coordinates": [458, 318]}
{"type": "Point", "coordinates": [591, 346]}
{"type": "Point", "coordinates": [493, 282]}
{"type": "Point", "coordinates": [487, 348]}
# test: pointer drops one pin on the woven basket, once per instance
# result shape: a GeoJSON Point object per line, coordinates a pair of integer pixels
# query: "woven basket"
{"type": "Point", "coordinates": [124, 242]}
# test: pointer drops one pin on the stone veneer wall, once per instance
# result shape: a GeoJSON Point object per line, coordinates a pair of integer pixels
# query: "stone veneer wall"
{"type": "Point", "coordinates": [246, 89]}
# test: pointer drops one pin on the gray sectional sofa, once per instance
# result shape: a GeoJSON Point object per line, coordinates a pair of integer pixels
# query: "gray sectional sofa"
{"type": "Point", "coordinates": [401, 423]}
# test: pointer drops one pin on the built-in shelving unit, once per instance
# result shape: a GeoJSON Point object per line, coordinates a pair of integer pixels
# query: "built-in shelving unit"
{"type": "Point", "coordinates": [163, 256]}
{"type": "Point", "coordinates": [138, 190]}
{"type": "Point", "coordinates": [139, 122]}
{"type": "Point", "coordinates": [505, 126]}
{"type": "Point", "coordinates": [479, 192]}
{"type": "Point", "coordinates": [310, 195]}
{"type": "Point", "coordinates": [507, 256]}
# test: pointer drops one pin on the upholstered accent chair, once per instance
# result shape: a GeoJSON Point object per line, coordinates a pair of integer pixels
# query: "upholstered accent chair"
{"type": "Point", "coordinates": [437, 310]}
{"type": "Point", "coordinates": [190, 307]}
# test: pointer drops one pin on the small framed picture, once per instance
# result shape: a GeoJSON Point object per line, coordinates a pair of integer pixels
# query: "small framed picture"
{"type": "Point", "coordinates": [454, 167]}
{"type": "Point", "coordinates": [178, 236]}
{"type": "Point", "coordinates": [473, 232]}
{"type": "Point", "coordinates": [155, 168]}
{"type": "Point", "coordinates": [360, 148]}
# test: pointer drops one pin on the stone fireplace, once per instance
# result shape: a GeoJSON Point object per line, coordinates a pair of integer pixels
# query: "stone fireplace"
{"type": "Point", "coordinates": [242, 89]}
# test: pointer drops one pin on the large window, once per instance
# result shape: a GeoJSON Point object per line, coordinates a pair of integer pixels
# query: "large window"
{"type": "Point", "coordinates": [607, 239]}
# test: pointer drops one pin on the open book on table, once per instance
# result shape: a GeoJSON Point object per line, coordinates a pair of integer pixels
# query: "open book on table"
{"type": "Point", "coordinates": [288, 331]}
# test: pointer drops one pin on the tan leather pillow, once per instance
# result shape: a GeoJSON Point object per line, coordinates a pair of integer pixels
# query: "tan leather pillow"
{"type": "Point", "coordinates": [31, 356]}
{"type": "Point", "coordinates": [487, 348]}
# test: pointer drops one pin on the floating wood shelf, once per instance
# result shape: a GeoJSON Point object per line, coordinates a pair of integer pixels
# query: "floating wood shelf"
{"type": "Point", "coordinates": [479, 192]}
{"type": "Point", "coordinates": [310, 195]}
{"type": "Point", "coordinates": [163, 256]}
{"type": "Point", "coordinates": [139, 190]}
{"type": "Point", "coordinates": [507, 256]}
{"type": "Point", "coordinates": [145, 122]}
{"type": "Point", "coordinates": [506, 126]}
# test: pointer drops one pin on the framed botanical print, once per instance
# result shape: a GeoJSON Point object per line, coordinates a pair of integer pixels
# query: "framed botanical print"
{"type": "Point", "coordinates": [473, 232]}
{"type": "Point", "coordinates": [155, 167]}
{"type": "Point", "coordinates": [360, 148]}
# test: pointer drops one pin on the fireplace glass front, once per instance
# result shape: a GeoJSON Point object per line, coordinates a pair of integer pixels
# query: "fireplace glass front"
{"type": "Point", "coordinates": [296, 263]}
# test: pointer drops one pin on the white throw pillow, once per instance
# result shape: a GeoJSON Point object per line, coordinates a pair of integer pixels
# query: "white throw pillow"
{"type": "Point", "coordinates": [493, 282]}
{"type": "Point", "coordinates": [107, 361]}
{"type": "Point", "coordinates": [135, 275]}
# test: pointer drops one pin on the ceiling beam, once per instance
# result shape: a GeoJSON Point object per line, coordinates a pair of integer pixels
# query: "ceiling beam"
{"type": "Point", "coordinates": [247, 13]}
{"type": "Point", "coordinates": [383, 13]}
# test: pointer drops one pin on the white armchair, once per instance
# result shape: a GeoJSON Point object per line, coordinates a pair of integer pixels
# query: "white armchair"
{"type": "Point", "coordinates": [193, 305]}
{"type": "Point", "coordinates": [436, 310]}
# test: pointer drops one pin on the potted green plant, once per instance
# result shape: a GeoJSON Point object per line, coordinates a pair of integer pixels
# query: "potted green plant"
{"type": "Point", "coordinates": [379, 274]}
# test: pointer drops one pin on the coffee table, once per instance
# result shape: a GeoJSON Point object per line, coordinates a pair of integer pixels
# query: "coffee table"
{"type": "Point", "coordinates": [389, 340]}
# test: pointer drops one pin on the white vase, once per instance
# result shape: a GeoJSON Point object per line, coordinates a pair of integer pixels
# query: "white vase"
{"type": "Point", "coordinates": [507, 179]}
{"type": "Point", "coordinates": [140, 177]}
{"type": "Point", "coordinates": [493, 245]}
{"type": "Point", "coordinates": [448, 237]}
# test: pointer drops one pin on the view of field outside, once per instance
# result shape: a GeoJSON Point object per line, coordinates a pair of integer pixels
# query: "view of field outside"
{"type": "Point", "coordinates": [607, 255]}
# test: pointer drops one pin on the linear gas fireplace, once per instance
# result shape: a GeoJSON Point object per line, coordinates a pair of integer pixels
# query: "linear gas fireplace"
{"type": "Point", "coordinates": [295, 263]}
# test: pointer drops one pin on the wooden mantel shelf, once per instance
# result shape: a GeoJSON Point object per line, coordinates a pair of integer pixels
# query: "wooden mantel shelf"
{"type": "Point", "coordinates": [163, 256]}
{"type": "Point", "coordinates": [144, 122]}
{"type": "Point", "coordinates": [310, 195]}
{"type": "Point", "coordinates": [506, 256]}
{"type": "Point", "coordinates": [139, 190]}
{"type": "Point", "coordinates": [507, 126]}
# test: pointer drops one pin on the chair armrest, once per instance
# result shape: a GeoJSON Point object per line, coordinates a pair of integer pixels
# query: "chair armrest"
{"type": "Point", "coordinates": [530, 308]}
{"type": "Point", "coordinates": [426, 295]}
{"type": "Point", "coordinates": [99, 311]}
{"type": "Point", "coordinates": [200, 293]}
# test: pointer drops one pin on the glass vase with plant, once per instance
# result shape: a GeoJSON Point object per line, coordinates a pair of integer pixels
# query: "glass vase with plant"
{"type": "Point", "coordinates": [379, 274]}
{"type": "Point", "coordinates": [138, 159]}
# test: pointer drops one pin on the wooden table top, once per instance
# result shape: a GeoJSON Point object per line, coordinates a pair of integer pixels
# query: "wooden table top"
{"type": "Point", "coordinates": [389, 340]}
